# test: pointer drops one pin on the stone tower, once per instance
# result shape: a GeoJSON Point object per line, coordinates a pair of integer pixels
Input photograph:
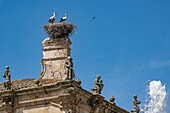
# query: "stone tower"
{"type": "Point", "coordinates": [56, 51]}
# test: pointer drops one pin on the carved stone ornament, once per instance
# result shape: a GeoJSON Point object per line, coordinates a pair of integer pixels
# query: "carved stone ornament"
{"type": "Point", "coordinates": [7, 76]}
{"type": "Point", "coordinates": [93, 102]}
{"type": "Point", "coordinates": [136, 108]}
{"type": "Point", "coordinates": [98, 85]}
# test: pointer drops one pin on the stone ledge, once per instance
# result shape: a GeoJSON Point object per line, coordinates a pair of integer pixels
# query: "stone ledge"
{"type": "Point", "coordinates": [43, 99]}
{"type": "Point", "coordinates": [53, 48]}
{"type": "Point", "coordinates": [58, 58]}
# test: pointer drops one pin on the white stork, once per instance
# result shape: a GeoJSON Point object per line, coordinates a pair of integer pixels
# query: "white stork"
{"type": "Point", "coordinates": [63, 18]}
{"type": "Point", "coordinates": [52, 18]}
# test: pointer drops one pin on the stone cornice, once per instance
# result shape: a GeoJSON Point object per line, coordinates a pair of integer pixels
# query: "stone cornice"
{"type": "Point", "coordinates": [61, 93]}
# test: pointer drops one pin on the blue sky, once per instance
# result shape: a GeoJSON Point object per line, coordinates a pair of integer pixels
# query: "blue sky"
{"type": "Point", "coordinates": [127, 44]}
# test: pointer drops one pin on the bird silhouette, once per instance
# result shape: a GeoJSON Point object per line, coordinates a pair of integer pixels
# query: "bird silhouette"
{"type": "Point", "coordinates": [63, 18]}
{"type": "Point", "coordinates": [94, 18]}
{"type": "Point", "coordinates": [52, 18]}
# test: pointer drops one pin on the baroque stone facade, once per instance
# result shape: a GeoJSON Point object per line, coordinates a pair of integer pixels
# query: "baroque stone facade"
{"type": "Point", "coordinates": [54, 92]}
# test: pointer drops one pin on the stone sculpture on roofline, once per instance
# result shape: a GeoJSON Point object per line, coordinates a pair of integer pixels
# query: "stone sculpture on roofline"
{"type": "Point", "coordinates": [7, 76]}
{"type": "Point", "coordinates": [69, 69]}
{"type": "Point", "coordinates": [98, 85]}
{"type": "Point", "coordinates": [136, 108]}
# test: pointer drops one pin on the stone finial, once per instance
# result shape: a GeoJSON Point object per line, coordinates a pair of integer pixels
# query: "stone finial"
{"type": "Point", "coordinates": [136, 108]}
{"type": "Point", "coordinates": [98, 85]}
{"type": "Point", "coordinates": [112, 99]}
{"type": "Point", "coordinates": [7, 76]}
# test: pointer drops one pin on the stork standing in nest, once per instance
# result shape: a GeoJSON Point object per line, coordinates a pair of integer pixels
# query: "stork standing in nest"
{"type": "Point", "coordinates": [63, 19]}
{"type": "Point", "coordinates": [52, 18]}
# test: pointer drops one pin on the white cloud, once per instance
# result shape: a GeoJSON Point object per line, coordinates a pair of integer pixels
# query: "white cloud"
{"type": "Point", "coordinates": [153, 64]}
{"type": "Point", "coordinates": [158, 64]}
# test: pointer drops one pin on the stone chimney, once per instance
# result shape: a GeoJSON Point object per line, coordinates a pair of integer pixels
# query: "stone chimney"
{"type": "Point", "coordinates": [56, 51]}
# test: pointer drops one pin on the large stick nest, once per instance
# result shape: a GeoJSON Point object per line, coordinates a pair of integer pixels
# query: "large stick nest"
{"type": "Point", "coordinates": [59, 30]}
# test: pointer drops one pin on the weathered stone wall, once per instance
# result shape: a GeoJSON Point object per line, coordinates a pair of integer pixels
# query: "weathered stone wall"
{"type": "Point", "coordinates": [55, 53]}
{"type": "Point", "coordinates": [39, 109]}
